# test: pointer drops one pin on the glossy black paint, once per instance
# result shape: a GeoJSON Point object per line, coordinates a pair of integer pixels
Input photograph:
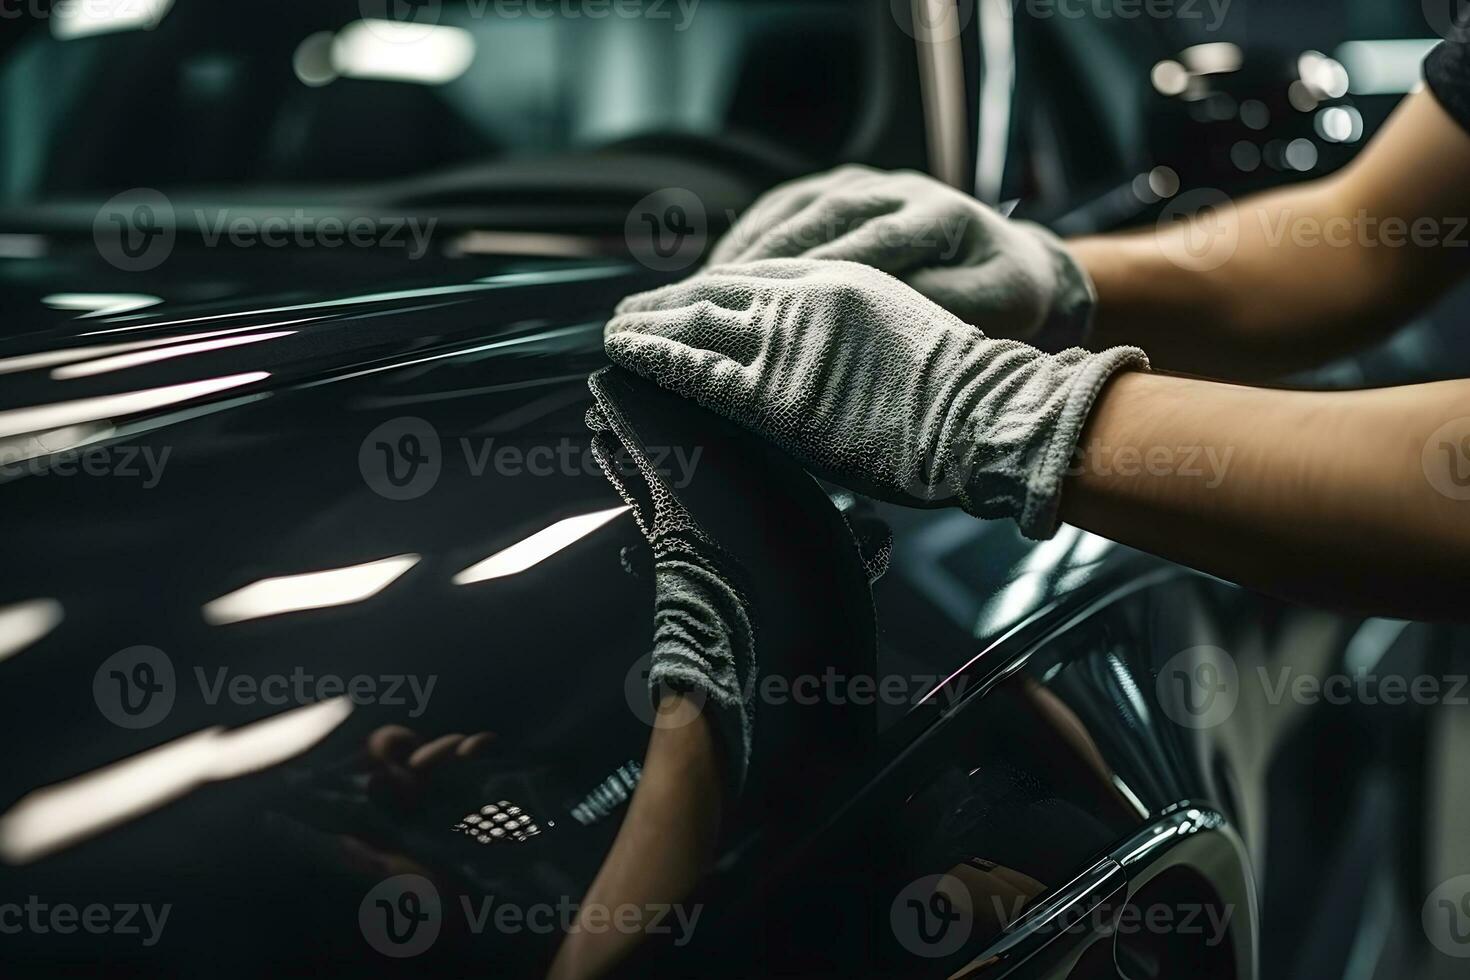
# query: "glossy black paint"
{"type": "Point", "coordinates": [1044, 750]}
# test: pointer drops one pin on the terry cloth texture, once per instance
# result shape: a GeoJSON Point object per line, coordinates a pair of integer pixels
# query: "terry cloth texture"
{"type": "Point", "coordinates": [1012, 279]}
{"type": "Point", "coordinates": [703, 638]}
{"type": "Point", "coordinates": [871, 384]}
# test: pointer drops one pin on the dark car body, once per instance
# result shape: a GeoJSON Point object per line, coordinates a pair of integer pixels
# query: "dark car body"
{"type": "Point", "coordinates": [288, 467]}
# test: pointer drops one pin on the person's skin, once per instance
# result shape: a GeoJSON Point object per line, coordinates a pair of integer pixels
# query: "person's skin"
{"type": "Point", "coordinates": [1325, 499]}
{"type": "Point", "coordinates": [1328, 497]}
{"type": "Point", "coordinates": [666, 841]}
{"type": "Point", "coordinates": [1285, 298]}
{"type": "Point", "coordinates": [401, 765]}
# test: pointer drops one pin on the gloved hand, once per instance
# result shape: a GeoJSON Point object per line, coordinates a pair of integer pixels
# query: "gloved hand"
{"type": "Point", "coordinates": [871, 384]}
{"type": "Point", "coordinates": [703, 641]}
{"type": "Point", "coordinates": [1010, 278]}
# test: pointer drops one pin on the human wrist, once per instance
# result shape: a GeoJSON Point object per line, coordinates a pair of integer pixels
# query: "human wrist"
{"type": "Point", "coordinates": [1022, 430]}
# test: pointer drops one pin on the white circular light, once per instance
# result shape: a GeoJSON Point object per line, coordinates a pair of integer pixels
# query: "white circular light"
{"type": "Point", "coordinates": [1301, 154]}
{"type": "Point", "coordinates": [1334, 79]}
{"type": "Point", "coordinates": [1170, 78]}
{"type": "Point", "coordinates": [1246, 156]}
{"type": "Point", "coordinates": [1325, 76]}
{"type": "Point", "coordinates": [1163, 181]}
{"type": "Point", "coordinates": [1340, 124]}
{"type": "Point", "coordinates": [313, 60]}
{"type": "Point", "coordinates": [1255, 114]}
{"type": "Point", "coordinates": [1301, 97]}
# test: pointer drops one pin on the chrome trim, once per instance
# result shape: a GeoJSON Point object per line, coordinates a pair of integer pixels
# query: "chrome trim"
{"type": "Point", "coordinates": [937, 30]}
{"type": "Point", "coordinates": [1189, 835]}
{"type": "Point", "coordinates": [997, 93]}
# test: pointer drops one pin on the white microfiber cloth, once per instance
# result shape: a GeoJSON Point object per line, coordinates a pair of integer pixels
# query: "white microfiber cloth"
{"type": "Point", "coordinates": [703, 638]}
{"type": "Point", "coordinates": [870, 384]}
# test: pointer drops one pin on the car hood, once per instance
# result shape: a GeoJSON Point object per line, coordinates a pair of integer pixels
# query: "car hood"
{"type": "Point", "coordinates": [222, 481]}
{"type": "Point", "coordinates": [295, 476]}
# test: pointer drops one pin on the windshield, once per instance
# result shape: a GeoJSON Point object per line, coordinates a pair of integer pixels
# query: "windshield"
{"type": "Point", "coordinates": [106, 95]}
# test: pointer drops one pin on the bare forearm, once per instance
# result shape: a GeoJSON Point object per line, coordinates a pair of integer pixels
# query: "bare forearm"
{"type": "Point", "coordinates": [1323, 498]}
{"type": "Point", "coordinates": [1271, 283]}
{"type": "Point", "coordinates": [666, 840]}
{"type": "Point", "coordinates": [1247, 291]}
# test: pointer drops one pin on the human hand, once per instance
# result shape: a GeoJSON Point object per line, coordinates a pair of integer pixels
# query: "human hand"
{"type": "Point", "coordinates": [870, 383]}
{"type": "Point", "coordinates": [403, 764]}
{"type": "Point", "coordinates": [1010, 278]}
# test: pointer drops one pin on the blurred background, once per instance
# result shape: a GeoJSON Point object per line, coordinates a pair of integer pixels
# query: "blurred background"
{"type": "Point", "coordinates": [509, 117]}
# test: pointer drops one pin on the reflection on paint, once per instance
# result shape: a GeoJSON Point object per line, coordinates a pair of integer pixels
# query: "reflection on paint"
{"type": "Point", "coordinates": [58, 816]}
{"type": "Point", "coordinates": [507, 280]}
{"type": "Point", "coordinates": [87, 369]}
{"type": "Point", "coordinates": [22, 624]}
{"type": "Point", "coordinates": [70, 355]}
{"type": "Point", "coordinates": [537, 548]}
{"type": "Point", "coordinates": [313, 590]}
{"type": "Point", "coordinates": [101, 304]}
{"type": "Point", "coordinates": [58, 415]}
